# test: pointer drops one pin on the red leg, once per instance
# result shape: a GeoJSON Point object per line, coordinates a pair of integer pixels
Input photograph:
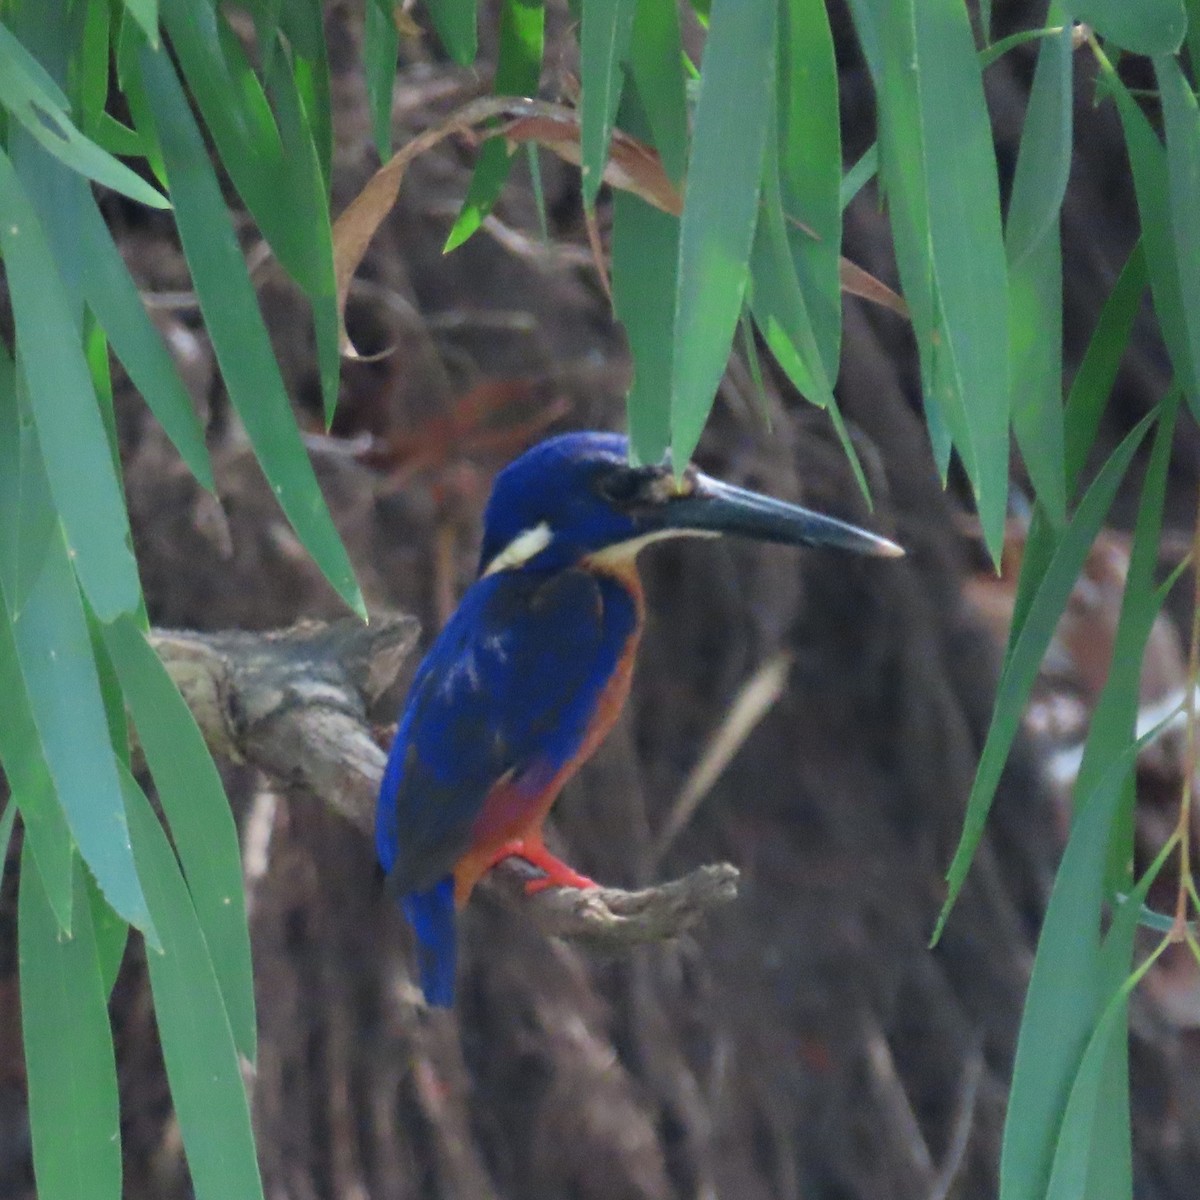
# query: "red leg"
{"type": "Point", "coordinates": [556, 872]}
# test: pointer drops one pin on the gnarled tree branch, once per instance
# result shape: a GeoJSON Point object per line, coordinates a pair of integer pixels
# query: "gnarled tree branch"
{"type": "Point", "coordinates": [294, 704]}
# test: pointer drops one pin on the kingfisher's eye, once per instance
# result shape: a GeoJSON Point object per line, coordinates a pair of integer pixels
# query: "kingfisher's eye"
{"type": "Point", "coordinates": [627, 486]}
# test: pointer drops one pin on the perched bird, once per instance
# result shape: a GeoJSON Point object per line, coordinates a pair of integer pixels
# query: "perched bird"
{"type": "Point", "coordinates": [531, 670]}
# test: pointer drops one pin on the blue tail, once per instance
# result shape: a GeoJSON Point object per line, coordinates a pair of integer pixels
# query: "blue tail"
{"type": "Point", "coordinates": [431, 914]}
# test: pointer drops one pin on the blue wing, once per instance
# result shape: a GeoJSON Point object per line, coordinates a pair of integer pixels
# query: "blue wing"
{"type": "Point", "coordinates": [507, 690]}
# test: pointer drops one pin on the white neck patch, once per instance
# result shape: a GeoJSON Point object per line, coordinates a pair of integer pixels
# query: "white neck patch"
{"type": "Point", "coordinates": [521, 549]}
{"type": "Point", "coordinates": [623, 552]}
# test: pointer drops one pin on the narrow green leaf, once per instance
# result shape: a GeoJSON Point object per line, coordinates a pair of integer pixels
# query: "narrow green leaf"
{"type": "Point", "coordinates": [1181, 116]}
{"type": "Point", "coordinates": [454, 21]}
{"type": "Point", "coordinates": [113, 298]}
{"type": "Point", "coordinates": [1147, 27]}
{"type": "Point", "coordinates": [859, 175]}
{"type": "Point", "coordinates": [202, 827]}
{"type": "Point", "coordinates": [64, 406]}
{"type": "Point", "coordinates": [305, 174]}
{"type": "Point", "coordinates": [1097, 373]}
{"type": "Point", "coordinates": [29, 94]}
{"type": "Point", "coordinates": [93, 66]}
{"type": "Point", "coordinates": [60, 676]}
{"type": "Point", "coordinates": [966, 246]}
{"type": "Point", "coordinates": [116, 138]}
{"type": "Point", "coordinates": [264, 158]}
{"type": "Point", "coordinates": [111, 933]}
{"type": "Point", "coordinates": [239, 117]}
{"type": "Point", "coordinates": [1153, 187]}
{"type": "Point", "coordinates": [732, 124]}
{"type": "Point", "coordinates": [381, 46]}
{"type": "Point", "coordinates": [604, 40]}
{"type": "Point", "coordinates": [518, 70]}
{"type": "Point", "coordinates": [145, 13]}
{"type": "Point", "coordinates": [1063, 1000]}
{"type": "Point", "coordinates": [29, 782]}
{"type": "Point", "coordinates": [1092, 1155]}
{"type": "Point", "coordinates": [303, 23]}
{"type": "Point", "coordinates": [1030, 647]}
{"type": "Point", "coordinates": [1044, 158]}
{"type": "Point", "coordinates": [1035, 332]}
{"type": "Point", "coordinates": [810, 167]}
{"type": "Point", "coordinates": [656, 65]}
{"type": "Point", "coordinates": [901, 155]}
{"type": "Point", "coordinates": [645, 257]}
{"type": "Point", "coordinates": [197, 1043]}
{"type": "Point", "coordinates": [1193, 35]}
{"type": "Point", "coordinates": [236, 327]}
{"type": "Point", "coordinates": [73, 1110]}
{"type": "Point", "coordinates": [7, 820]}
{"type": "Point", "coordinates": [781, 313]}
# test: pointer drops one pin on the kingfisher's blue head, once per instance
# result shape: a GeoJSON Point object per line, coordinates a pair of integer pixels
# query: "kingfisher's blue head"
{"type": "Point", "coordinates": [575, 497]}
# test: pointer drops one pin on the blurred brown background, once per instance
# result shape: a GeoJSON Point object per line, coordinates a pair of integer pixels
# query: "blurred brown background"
{"type": "Point", "coordinates": [805, 1043]}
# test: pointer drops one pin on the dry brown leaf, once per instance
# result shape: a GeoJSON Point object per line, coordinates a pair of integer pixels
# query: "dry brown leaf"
{"type": "Point", "coordinates": [862, 283]}
{"type": "Point", "coordinates": [632, 167]}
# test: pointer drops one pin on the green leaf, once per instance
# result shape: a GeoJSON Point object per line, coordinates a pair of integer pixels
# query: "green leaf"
{"type": "Point", "coordinates": [303, 23]}
{"type": "Point", "coordinates": [518, 69]}
{"type": "Point", "coordinates": [113, 298]}
{"type": "Point", "coordinates": [859, 175]}
{"type": "Point", "coordinates": [29, 782]}
{"type": "Point", "coordinates": [31, 788]}
{"type": "Point", "coordinates": [64, 407]}
{"type": "Point", "coordinates": [145, 13]}
{"type": "Point", "coordinates": [197, 1043]}
{"type": "Point", "coordinates": [656, 65]}
{"type": "Point", "coordinates": [1062, 1004]}
{"type": "Point", "coordinates": [454, 21]}
{"type": "Point", "coordinates": [7, 820]}
{"type": "Point", "coordinates": [1035, 332]}
{"type": "Point", "coordinates": [1021, 668]}
{"type": "Point", "coordinates": [733, 121]}
{"type": "Point", "coordinates": [810, 168]}
{"type": "Point", "coordinates": [73, 1110]}
{"type": "Point", "coordinates": [901, 155]}
{"type": "Point", "coordinates": [1156, 210]}
{"type": "Point", "coordinates": [1097, 373]}
{"type": "Point", "coordinates": [645, 257]}
{"type": "Point", "coordinates": [604, 40]}
{"type": "Point", "coordinates": [1034, 249]}
{"type": "Point", "coordinates": [236, 327]}
{"type": "Point", "coordinates": [239, 117]}
{"type": "Point", "coordinates": [111, 933]}
{"type": "Point", "coordinates": [93, 64]}
{"type": "Point", "coordinates": [1181, 116]}
{"type": "Point", "coordinates": [306, 175]}
{"type": "Point", "coordinates": [1044, 158]}
{"type": "Point", "coordinates": [1114, 719]}
{"type": "Point", "coordinates": [965, 242]}
{"type": "Point", "coordinates": [32, 97]}
{"type": "Point", "coordinates": [1092, 1153]}
{"type": "Point", "coordinates": [381, 46]}
{"type": "Point", "coordinates": [1147, 27]}
{"type": "Point", "coordinates": [778, 305]}
{"type": "Point", "coordinates": [60, 676]}
{"type": "Point", "coordinates": [202, 827]}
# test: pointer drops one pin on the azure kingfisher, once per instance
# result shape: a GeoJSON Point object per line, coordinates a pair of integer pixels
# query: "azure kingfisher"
{"type": "Point", "coordinates": [530, 672]}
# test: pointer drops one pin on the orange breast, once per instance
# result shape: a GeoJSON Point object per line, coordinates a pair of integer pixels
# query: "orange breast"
{"type": "Point", "coordinates": [508, 814]}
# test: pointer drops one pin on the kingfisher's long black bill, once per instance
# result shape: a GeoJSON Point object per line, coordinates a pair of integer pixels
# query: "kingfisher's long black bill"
{"type": "Point", "coordinates": [717, 507]}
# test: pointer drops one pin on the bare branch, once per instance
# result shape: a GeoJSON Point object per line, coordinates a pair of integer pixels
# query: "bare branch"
{"type": "Point", "coordinates": [294, 704]}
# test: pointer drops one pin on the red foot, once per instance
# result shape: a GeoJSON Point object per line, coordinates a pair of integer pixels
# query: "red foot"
{"type": "Point", "coordinates": [556, 872]}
